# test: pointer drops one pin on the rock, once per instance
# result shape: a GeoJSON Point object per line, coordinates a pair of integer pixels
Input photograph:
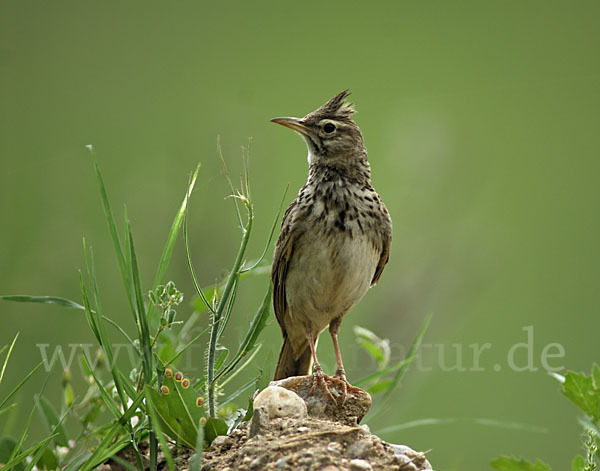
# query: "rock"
{"type": "Point", "coordinates": [360, 465]}
{"type": "Point", "coordinates": [260, 421]}
{"type": "Point", "coordinates": [335, 447]}
{"type": "Point", "coordinates": [411, 459]}
{"type": "Point", "coordinates": [280, 402]}
{"type": "Point", "coordinates": [358, 449]}
{"type": "Point", "coordinates": [255, 463]}
{"type": "Point", "coordinates": [221, 441]}
{"type": "Point", "coordinates": [355, 406]}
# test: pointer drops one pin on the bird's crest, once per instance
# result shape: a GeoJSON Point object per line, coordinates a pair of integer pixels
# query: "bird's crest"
{"type": "Point", "coordinates": [336, 107]}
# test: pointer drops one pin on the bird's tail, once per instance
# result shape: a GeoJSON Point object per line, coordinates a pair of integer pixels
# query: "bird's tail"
{"type": "Point", "coordinates": [288, 365]}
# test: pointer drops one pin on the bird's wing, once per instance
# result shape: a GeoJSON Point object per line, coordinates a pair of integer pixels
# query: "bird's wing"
{"type": "Point", "coordinates": [281, 260]}
{"type": "Point", "coordinates": [385, 252]}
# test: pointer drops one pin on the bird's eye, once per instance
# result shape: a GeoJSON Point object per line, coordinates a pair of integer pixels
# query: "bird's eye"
{"type": "Point", "coordinates": [329, 128]}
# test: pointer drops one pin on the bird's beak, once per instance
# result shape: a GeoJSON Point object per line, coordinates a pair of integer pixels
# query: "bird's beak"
{"type": "Point", "coordinates": [295, 124]}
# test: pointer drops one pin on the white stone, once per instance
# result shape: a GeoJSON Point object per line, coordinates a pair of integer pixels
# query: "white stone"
{"type": "Point", "coordinates": [360, 465]}
{"type": "Point", "coordinates": [280, 402]}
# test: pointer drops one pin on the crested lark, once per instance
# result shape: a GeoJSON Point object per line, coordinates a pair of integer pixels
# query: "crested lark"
{"type": "Point", "coordinates": [334, 242]}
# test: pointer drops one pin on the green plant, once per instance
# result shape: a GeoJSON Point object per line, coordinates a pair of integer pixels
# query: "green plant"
{"type": "Point", "coordinates": [141, 402]}
{"type": "Point", "coordinates": [584, 391]}
{"type": "Point", "coordinates": [386, 379]}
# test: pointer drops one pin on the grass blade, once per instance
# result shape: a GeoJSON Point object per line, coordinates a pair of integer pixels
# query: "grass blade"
{"type": "Point", "coordinates": [410, 356]}
{"type": "Point", "coordinates": [453, 420]}
{"type": "Point", "coordinates": [140, 311]}
{"type": "Point", "coordinates": [161, 437]}
{"type": "Point", "coordinates": [10, 349]}
{"type": "Point", "coordinates": [238, 392]}
{"type": "Point", "coordinates": [185, 347]}
{"type": "Point", "coordinates": [230, 303]}
{"type": "Point", "coordinates": [271, 233]}
{"type": "Point", "coordinates": [223, 302]}
{"type": "Point", "coordinates": [21, 383]}
{"type": "Point", "coordinates": [104, 449]}
{"type": "Point", "coordinates": [111, 405]}
{"type": "Point", "coordinates": [177, 222]}
{"type": "Point", "coordinates": [257, 325]}
{"type": "Point", "coordinates": [228, 179]}
{"type": "Point", "coordinates": [378, 374]}
{"type": "Point", "coordinates": [112, 227]}
{"type": "Point", "coordinates": [100, 331]}
{"type": "Point", "coordinates": [52, 422]}
{"type": "Point", "coordinates": [188, 256]}
{"type": "Point", "coordinates": [242, 367]}
{"type": "Point", "coordinates": [25, 431]}
{"type": "Point", "coordinates": [20, 457]}
{"type": "Point", "coordinates": [196, 461]}
{"type": "Point", "coordinates": [43, 299]}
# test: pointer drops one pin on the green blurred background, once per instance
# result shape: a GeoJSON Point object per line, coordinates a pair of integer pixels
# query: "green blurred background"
{"type": "Point", "coordinates": [481, 120]}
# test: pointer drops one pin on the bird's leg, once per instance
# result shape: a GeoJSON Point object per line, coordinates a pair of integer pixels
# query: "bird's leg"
{"type": "Point", "coordinates": [340, 373]}
{"type": "Point", "coordinates": [318, 375]}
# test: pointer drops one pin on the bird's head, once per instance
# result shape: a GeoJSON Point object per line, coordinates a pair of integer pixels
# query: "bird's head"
{"type": "Point", "coordinates": [330, 133]}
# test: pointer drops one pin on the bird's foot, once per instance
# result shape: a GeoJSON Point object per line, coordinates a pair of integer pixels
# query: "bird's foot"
{"type": "Point", "coordinates": [320, 380]}
{"type": "Point", "coordinates": [340, 377]}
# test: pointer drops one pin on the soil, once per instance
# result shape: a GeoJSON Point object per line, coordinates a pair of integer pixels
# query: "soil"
{"type": "Point", "coordinates": [309, 444]}
{"type": "Point", "coordinates": [300, 445]}
{"type": "Point", "coordinates": [322, 435]}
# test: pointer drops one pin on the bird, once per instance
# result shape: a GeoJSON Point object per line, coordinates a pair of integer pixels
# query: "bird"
{"type": "Point", "coordinates": [334, 241]}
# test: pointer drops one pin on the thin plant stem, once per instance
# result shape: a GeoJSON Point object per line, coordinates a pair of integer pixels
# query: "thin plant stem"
{"type": "Point", "coordinates": [214, 331]}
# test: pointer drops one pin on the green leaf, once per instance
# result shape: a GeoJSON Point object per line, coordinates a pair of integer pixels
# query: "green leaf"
{"type": "Point", "coordinates": [224, 353]}
{"type": "Point", "coordinates": [52, 421]}
{"type": "Point", "coordinates": [380, 387]}
{"type": "Point", "coordinates": [256, 327]}
{"type": "Point", "coordinates": [271, 233]}
{"type": "Point", "coordinates": [21, 383]}
{"type": "Point", "coordinates": [578, 464]}
{"type": "Point", "coordinates": [111, 405]}
{"type": "Point", "coordinates": [171, 239]}
{"type": "Point", "coordinates": [16, 461]}
{"type": "Point", "coordinates": [140, 310]}
{"type": "Point", "coordinates": [596, 375]}
{"type": "Point", "coordinates": [582, 391]}
{"type": "Point", "coordinates": [7, 445]}
{"type": "Point", "coordinates": [43, 299]}
{"type": "Point", "coordinates": [376, 347]}
{"type": "Point", "coordinates": [239, 391]}
{"type": "Point", "coordinates": [10, 349]}
{"type": "Point", "coordinates": [235, 419]}
{"type": "Point", "coordinates": [506, 463]}
{"type": "Point", "coordinates": [463, 420]}
{"type": "Point", "coordinates": [48, 460]}
{"type": "Point", "coordinates": [159, 433]}
{"type": "Point", "coordinates": [178, 408]}
{"type": "Point", "coordinates": [378, 374]}
{"type": "Point", "coordinates": [112, 227]}
{"type": "Point", "coordinates": [213, 428]}
{"type": "Point", "coordinates": [108, 446]}
{"type": "Point", "coordinates": [7, 408]}
{"type": "Point", "coordinates": [410, 356]}
{"type": "Point", "coordinates": [169, 425]}
{"type": "Point", "coordinates": [96, 322]}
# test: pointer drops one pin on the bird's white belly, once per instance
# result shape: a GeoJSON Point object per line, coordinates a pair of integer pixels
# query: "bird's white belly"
{"type": "Point", "coordinates": [325, 279]}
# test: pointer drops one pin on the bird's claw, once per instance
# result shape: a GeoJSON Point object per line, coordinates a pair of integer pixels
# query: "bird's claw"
{"type": "Point", "coordinates": [340, 377]}
{"type": "Point", "coordinates": [320, 380]}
